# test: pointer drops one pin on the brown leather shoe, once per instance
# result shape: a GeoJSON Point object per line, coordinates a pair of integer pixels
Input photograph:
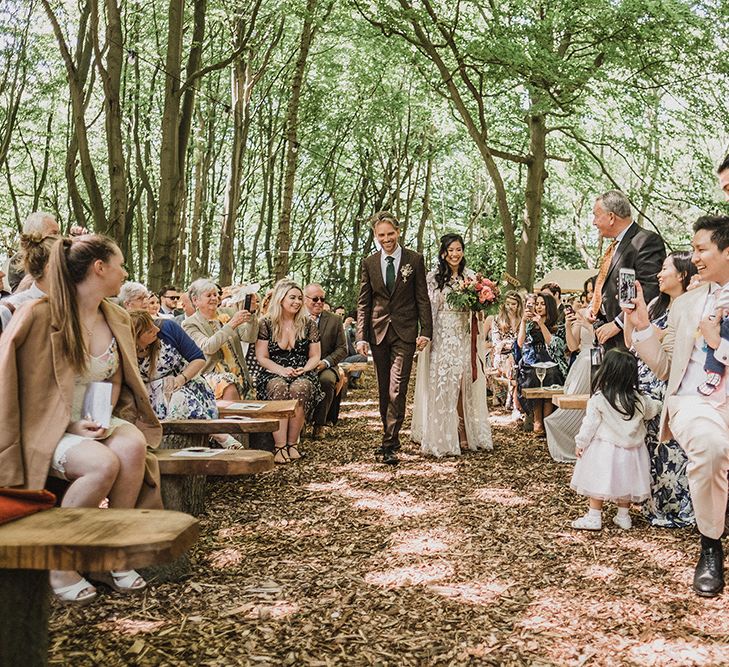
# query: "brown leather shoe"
{"type": "Point", "coordinates": [318, 433]}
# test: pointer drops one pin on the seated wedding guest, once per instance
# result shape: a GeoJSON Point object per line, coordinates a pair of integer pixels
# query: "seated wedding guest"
{"type": "Point", "coordinates": [153, 305]}
{"type": "Point", "coordinates": [176, 388]}
{"type": "Point", "coordinates": [35, 251]}
{"type": "Point", "coordinates": [562, 425]}
{"type": "Point", "coordinates": [670, 503]}
{"type": "Point", "coordinates": [288, 351]}
{"type": "Point", "coordinates": [339, 310]}
{"type": "Point", "coordinates": [541, 338]}
{"type": "Point", "coordinates": [588, 288]}
{"type": "Point", "coordinates": [133, 296]}
{"type": "Point", "coordinates": [219, 336]}
{"type": "Point", "coordinates": [353, 357]}
{"type": "Point", "coordinates": [36, 224]}
{"type": "Point", "coordinates": [246, 297]}
{"type": "Point", "coordinates": [333, 350]}
{"type": "Point", "coordinates": [59, 346]}
{"type": "Point", "coordinates": [169, 301]}
{"type": "Point", "coordinates": [700, 424]}
{"type": "Point", "coordinates": [556, 291]}
{"type": "Point", "coordinates": [504, 330]}
{"type": "Point", "coordinates": [188, 310]}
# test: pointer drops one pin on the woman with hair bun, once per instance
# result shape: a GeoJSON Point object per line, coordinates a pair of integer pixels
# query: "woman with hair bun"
{"type": "Point", "coordinates": [35, 249]}
{"type": "Point", "coordinates": [450, 412]}
{"type": "Point", "coordinates": [55, 348]}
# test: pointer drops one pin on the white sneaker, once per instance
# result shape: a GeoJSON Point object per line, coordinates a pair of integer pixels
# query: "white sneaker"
{"type": "Point", "coordinates": [588, 522]}
{"type": "Point", "coordinates": [623, 522]}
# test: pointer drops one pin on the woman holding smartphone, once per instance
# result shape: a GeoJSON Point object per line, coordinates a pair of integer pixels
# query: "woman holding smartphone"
{"type": "Point", "coordinates": [541, 338]}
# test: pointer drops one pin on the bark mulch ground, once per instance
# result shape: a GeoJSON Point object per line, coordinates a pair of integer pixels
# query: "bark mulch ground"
{"type": "Point", "coordinates": [339, 560]}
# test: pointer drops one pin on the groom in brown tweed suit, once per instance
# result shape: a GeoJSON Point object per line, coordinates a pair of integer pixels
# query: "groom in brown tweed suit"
{"type": "Point", "coordinates": [394, 318]}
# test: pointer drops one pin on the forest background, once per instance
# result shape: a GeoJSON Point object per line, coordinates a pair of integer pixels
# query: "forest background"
{"type": "Point", "coordinates": [251, 140]}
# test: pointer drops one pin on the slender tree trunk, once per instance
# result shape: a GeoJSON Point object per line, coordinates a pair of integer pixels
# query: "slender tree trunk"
{"type": "Point", "coordinates": [283, 242]}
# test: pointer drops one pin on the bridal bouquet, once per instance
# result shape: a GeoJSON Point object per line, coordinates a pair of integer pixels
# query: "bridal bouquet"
{"type": "Point", "coordinates": [473, 293]}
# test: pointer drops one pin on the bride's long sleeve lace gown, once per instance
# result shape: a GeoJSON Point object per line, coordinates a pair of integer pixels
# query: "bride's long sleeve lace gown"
{"type": "Point", "coordinates": [444, 372]}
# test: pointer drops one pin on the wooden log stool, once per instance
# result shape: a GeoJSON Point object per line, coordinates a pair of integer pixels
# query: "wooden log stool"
{"type": "Point", "coordinates": [258, 410]}
{"type": "Point", "coordinates": [183, 478]}
{"type": "Point", "coordinates": [80, 539]}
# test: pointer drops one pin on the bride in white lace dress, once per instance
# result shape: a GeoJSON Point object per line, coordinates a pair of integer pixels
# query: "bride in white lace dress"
{"type": "Point", "coordinates": [450, 411]}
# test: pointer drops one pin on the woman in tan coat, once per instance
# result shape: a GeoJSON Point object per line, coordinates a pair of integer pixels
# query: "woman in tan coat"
{"type": "Point", "coordinates": [53, 349]}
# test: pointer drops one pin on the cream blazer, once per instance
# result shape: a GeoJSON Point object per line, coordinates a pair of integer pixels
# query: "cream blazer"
{"type": "Point", "coordinates": [669, 358]}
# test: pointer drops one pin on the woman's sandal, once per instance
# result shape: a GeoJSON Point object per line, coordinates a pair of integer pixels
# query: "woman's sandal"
{"type": "Point", "coordinates": [71, 595]}
{"type": "Point", "coordinates": [295, 448]}
{"type": "Point", "coordinates": [122, 581]}
{"type": "Point", "coordinates": [281, 454]}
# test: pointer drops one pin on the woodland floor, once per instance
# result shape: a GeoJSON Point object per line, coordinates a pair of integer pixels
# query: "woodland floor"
{"type": "Point", "coordinates": [339, 560]}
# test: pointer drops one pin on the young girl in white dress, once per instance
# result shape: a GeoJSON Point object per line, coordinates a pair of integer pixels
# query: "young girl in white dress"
{"type": "Point", "coordinates": [612, 460]}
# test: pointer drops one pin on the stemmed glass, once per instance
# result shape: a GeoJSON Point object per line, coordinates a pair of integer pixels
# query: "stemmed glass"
{"type": "Point", "coordinates": [541, 374]}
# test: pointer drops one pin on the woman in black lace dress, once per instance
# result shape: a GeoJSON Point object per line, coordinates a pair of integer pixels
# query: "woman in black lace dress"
{"type": "Point", "coordinates": [288, 351]}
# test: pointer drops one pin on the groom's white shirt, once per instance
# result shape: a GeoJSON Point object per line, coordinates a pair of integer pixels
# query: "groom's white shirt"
{"type": "Point", "coordinates": [383, 263]}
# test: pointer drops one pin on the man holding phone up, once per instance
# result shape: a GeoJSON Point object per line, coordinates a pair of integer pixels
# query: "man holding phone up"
{"type": "Point", "coordinates": [631, 247]}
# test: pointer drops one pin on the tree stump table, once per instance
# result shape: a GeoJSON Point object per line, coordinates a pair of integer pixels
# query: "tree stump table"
{"type": "Point", "coordinates": [80, 539]}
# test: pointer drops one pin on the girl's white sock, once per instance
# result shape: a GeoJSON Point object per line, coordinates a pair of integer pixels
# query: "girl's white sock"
{"type": "Point", "coordinates": [623, 511]}
{"type": "Point", "coordinates": [593, 513]}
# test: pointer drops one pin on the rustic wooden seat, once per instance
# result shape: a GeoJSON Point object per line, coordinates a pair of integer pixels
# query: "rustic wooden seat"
{"type": "Point", "coordinates": [538, 392]}
{"type": "Point", "coordinates": [73, 539]}
{"type": "Point", "coordinates": [571, 401]}
{"type": "Point", "coordinates": [267, 410]}
{"type": "Point", "coordinates": [184, 478]}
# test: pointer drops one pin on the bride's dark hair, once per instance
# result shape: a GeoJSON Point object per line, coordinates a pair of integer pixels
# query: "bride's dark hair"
{"type": "Point", "coordinates": [443, 275]}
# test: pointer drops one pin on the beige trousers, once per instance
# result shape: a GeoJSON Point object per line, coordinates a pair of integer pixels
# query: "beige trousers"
{"type": "Point", "coordinates": [702, 429]}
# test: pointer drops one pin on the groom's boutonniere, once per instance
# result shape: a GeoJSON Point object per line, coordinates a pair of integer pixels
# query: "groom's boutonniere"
{"type": "Point", "coordinates": [406, 271]}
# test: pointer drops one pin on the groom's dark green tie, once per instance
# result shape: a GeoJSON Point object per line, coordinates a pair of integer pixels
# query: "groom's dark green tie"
{"type": "Point", "coordinates": [390, 274]}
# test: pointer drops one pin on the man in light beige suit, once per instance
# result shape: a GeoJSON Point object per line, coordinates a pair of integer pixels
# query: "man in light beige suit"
{"type": "Point", "coordinates": [700, 424]}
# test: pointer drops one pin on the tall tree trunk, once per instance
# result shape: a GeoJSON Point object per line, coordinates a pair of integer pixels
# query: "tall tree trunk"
{"type": "Point", "coordinates": [176, 125]}
{"type": "Point", "coordinates": [283, 242]}
{"type": "Point", "coordinates": [110, 75]}
{"type": "Point", "coordinates": [534, 193]}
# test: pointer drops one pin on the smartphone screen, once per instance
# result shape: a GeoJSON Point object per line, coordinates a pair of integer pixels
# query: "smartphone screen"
{"type": "Point", "coordinates": [247, 302]}
{"type": "Point", "coordinates": [626, 288]}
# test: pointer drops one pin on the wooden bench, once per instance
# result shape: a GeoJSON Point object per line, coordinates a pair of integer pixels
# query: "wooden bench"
{"type": "Point", "coordinates": [267, 409]}
{"type": "Point", "coordinates": [184, 478]}
{"type": "Point", "coordinates": [571, 401]}
{"type": "Point", "coordinates": [539, 392]}
{"type": "Point", "coordinates": [73, 539]}
{"type": "Point", "coordinates": [360, 366]}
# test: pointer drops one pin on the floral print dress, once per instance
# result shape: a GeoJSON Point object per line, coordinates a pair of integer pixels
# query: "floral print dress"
{"type": "Point", "coordinates": [194, 400]}
{"type": "Point", "coordinates": [670, 503]}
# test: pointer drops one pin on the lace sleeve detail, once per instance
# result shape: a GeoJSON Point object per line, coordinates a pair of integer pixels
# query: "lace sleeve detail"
{"type": "Point", "coordinates": [435, 295]}
{"type": "Point", "coordinates": [264, 329]}
{"type": "Point", "coordinates": [312, 331]}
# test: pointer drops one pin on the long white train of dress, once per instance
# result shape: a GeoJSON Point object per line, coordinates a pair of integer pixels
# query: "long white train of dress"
{"type": "Point", "coordinates": [444, 370]}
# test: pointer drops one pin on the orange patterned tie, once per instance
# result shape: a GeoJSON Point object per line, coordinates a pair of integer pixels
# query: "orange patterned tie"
{"type": "Point", "coordinates": [601, 275]}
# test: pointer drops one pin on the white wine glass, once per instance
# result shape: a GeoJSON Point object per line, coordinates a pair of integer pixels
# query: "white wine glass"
{"type": "Point", "coordinates": [541, 374]}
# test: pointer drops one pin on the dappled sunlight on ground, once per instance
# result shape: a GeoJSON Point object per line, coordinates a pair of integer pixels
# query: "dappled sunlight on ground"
{"type": "Point", "coordinates": [660, 555]}
{"type": "Point", "coordinates": [501, 496]}
{"type": "Point", "coordinates": [410, 575]}
{"type": "Point", "coordinates": [598, 572]}
{"type": "Point", "coordinates": [257, 611]}
{"type": "Point", "coordinates": [402, 504]}
{"type": "Point", "coordinates": [472, 592]}
{"type": "Point", "coordinates": [225, 558]}
{"type": "Point", "coordinates": [678, 652]}
{"type": "Point", "coordinates": [129, 626]}
{"type": "Point", "coordinates": [424, 542]}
